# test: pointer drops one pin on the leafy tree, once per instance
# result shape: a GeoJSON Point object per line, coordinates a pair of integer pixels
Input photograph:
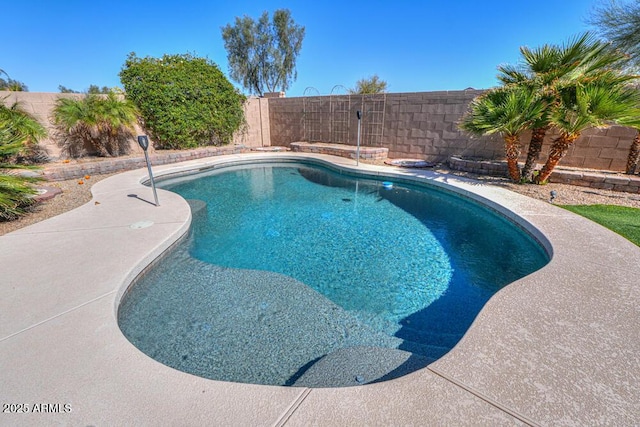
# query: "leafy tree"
{"type": "Point", "coordinates": [262, 55]}
{"type": "Point", "coordinates": [185, 101]}
{"type": "Point", "coordinates": [507, 111]}
{"type": "Point", "coordinates": [13, 85]}
{"type": "Point", "coordinates": [104, 123]}
{"type": "Point", "coordinates": [64, 89]}
{"type": "Point", "coordinates": [17, 128]}
{"type": "Point", "coordinates": [95, 89]}
{"type": "Point", "coordinates": [370, 85]}
{"type": "Point", "coordinates": [618, 22]}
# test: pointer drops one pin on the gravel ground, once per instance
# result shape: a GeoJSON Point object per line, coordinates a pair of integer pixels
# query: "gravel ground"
{"type": "Point", "coordinates": [566, 194]}
{"type": "Point", "coordinates": [74, 195]}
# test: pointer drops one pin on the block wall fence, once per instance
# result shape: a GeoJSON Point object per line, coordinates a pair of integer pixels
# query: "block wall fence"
{"type": "Point", "coordinates": [420, 125]}
{"type": "Point", "coordinates": [423, 125]}
{"type": "Point", "coordinates": [41, 104]}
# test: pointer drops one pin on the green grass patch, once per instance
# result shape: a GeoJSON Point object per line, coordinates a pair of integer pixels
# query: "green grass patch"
{"type": "Point", "coordinates": [623, 220]}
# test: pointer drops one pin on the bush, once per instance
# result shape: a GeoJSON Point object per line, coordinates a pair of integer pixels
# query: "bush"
{"type": "Point", "coordinates": [104, 124]}
{"type": "Point", "coordinates": [184, 101]}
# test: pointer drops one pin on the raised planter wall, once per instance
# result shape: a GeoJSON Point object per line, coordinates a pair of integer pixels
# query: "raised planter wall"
{"type": "Point", "coordinates": [562, 175]}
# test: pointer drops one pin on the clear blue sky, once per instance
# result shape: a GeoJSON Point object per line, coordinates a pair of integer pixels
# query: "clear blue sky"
{"type": "Point", "coordinates": [413, 45]}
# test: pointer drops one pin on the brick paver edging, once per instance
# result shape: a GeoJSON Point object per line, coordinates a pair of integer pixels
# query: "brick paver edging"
{"type": "Point", "coordinates": [603, 180]}
{"type": "Point", "coordinates": [78, 170]}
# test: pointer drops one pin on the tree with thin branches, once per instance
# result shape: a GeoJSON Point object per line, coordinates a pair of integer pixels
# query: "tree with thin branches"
{"type": "Point", "coordinates": [618, 23]}
{"type": "Point", "coordinates": [369, 85]}
{"type": "Point", "coordinates": [262, 54]}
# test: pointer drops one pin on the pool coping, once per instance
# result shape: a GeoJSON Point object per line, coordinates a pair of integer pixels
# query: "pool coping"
{"type": "Point", "coordinates": [556, 347]}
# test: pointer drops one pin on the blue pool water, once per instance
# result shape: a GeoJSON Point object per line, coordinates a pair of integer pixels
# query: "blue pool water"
{"type": "Point", "coordinates": [295, 275]}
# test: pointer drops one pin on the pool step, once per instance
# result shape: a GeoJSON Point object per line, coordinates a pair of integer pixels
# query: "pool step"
{"type": "Point", "coordinates": [441, 339]}
{"type": "Point", "coordinates": [358, 365]}
{"type": "Point", "coordinates": [429, 351]}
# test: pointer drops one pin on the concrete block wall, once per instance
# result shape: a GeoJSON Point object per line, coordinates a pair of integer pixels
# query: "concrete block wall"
{"type": "Point", "coordinates": [257, 132]}
{"type": "Point", "coordinates": [286, 120]}
{"type": "Point", "coordinates": [604, 149]}
{"type": "Point", "coordinates": [423, 125]}
{"type": "Point", "coordinates": [41, 104]}
{"type": "Point", "coordinates": [419, 125]}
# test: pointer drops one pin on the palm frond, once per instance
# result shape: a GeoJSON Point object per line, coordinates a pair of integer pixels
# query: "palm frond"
{"type": "Point", "coordinates": [506, 111]}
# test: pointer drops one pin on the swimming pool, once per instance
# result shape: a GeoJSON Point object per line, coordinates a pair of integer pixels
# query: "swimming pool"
{"type": "Point", "coordinates": [290, 264]}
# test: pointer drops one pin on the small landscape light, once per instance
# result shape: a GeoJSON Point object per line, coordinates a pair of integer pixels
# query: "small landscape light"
{"type": "Point", "coordinates": [553, 195]}
{"type": "Point", "coordinates": [143, 142]}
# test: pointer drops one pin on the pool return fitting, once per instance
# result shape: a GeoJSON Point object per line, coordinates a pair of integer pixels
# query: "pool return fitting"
{"type": "Point", "coordinates": [143, 142]}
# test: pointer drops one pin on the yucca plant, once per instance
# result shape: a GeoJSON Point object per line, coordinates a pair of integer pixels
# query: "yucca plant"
{"type": "Point", "coordinates": [103, 123]}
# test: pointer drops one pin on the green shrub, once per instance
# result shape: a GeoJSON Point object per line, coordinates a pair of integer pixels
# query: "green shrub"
{"type": "Point", "coordinates": [185, 101]}
{"type": "Point", "coordinates": [16, 191]}
{"type": "Point", "coordinates": [27, 130]}
{"type": "Point", "coordinates": [103, 123]}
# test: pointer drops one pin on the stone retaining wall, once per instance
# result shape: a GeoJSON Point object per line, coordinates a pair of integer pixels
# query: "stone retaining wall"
{"type": "Point", "coordinates": [78, 169]}
{"type": "Point", "coordinates": [561, 175]}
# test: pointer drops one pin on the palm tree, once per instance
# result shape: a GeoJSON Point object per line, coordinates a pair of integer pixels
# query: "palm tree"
{"type": "Point", "coordinates": [598, 102]}
{"type": "Point", "coordinates": [105, 123]}
{"type": "Point", "coordinates": [16, 191]}
{"type": "Point", "coordinates": [544, 68]}
{"type": "Point", "coordinates": [633, 158]}
{"type": "Point", "coordinates": [26, 128]}
{"type": "Point", "coordinates": [507, 111]}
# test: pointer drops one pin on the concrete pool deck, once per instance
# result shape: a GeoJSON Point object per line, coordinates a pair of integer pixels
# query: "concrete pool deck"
{"type": "Point", "coordinates": [558, 347]}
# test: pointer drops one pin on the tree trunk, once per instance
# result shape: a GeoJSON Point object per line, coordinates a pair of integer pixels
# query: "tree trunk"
{"type": "Point", "coordinates": [535, 147]}
{"type": "Point", "coordinates": [634, 155]}
{"type": "Point", "coordinates": [512, 151]}
{"type": "Point", "coordinates": [558, 150]}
